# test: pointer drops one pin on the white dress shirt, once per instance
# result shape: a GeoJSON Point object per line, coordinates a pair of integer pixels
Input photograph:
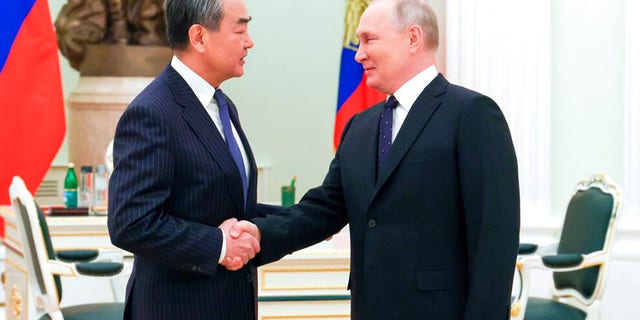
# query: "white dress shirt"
{"type": "Point", "coordinates": [407, 95]}
{"type": "Point", "coordinates": [204, 92]}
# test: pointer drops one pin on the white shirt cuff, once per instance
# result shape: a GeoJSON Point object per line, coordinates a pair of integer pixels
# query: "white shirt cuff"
{"type": "Point", "coordinates": [223, 249]}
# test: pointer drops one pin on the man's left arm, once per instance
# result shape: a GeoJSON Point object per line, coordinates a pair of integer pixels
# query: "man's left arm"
{"type": "Point", "coordinates": [490, 195]}
{"type": "Point", "coordinates": [262, 210]}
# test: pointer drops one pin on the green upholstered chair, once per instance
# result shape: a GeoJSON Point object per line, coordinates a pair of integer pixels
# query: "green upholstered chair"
{"type": "Point", "coordinates": [32, 281]}
{"type": "Point", "coordinates": [579, 261]}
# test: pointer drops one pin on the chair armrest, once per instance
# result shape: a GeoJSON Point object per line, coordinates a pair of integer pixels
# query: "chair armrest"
{"type": "Point", "coordinates": [62, 268]}
{"type": "Point", "coordinates": [533, 248]}
{"type": "Point", "coordinates": [527, 248]}
{"type": "Point", "coordinates": [93, 269]}
{"type": "Point", "coordinates": [99, 269]}
{"type": "Point", "coordinates": [95, 255]}
{"type": "Point", "coordinates": [76, 255]}
{"type": "Point", "coordinates": [562, 262]}
{"type": "Point", "coordinates": [109, 255]}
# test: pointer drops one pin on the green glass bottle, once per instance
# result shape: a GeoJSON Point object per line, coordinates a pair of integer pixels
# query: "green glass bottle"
{"type": "Point", "coordinates": [71, 188]}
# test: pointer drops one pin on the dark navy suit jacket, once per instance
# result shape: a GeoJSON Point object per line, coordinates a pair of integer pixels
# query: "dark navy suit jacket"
{"type": "Point", "coordinates": [434, 232]}
{"type": "Point", "coordinates": [174, 182]}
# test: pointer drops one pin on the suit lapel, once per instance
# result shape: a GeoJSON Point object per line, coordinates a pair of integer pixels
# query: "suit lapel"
{"type": "Point", "coordinates": [360, 147]}
{"type": "Point", "coordinates": [204, 128]}
{"type": "Point", "coordinates": [253, 170]}
{"type": "Point", "coordinates": [371, 147]}
{"type": "Point", "coordinates": [418, 117]}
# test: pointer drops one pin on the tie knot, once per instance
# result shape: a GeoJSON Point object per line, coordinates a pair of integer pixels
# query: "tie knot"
{"type": "Point", "coordinates": [219, 97]}
{"type": "Point", "coordinates": [391, 103]}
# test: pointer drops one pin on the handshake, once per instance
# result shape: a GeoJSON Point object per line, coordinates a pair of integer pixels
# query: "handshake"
{"type": "Point", "coordinates": [243, 243]}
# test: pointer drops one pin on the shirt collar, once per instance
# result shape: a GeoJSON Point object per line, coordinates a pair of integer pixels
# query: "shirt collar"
{"type": "Point", "coordinates": [202, 89]}
{"type": "Point", "coordinates": [408, 93]}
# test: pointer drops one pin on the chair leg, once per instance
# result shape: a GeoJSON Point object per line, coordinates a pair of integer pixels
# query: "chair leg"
{"type": "Point", "coordinates": [594, 312]}
{"type": "Point", "coordinates": [56, 315]}
{"type": "Point", "coordinates": [119, 283]}
{"type": "Point", "coordinates": [117, 289]}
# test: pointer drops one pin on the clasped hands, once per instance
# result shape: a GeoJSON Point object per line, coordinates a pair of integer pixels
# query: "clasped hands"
{"type": "Point", "coordinates": [242, 241]}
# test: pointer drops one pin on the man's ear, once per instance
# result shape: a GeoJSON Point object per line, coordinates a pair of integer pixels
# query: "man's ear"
{"type": "Point", "coordinates": [196, 37]}
{"type": "Point", "coordinates": [416, 37]}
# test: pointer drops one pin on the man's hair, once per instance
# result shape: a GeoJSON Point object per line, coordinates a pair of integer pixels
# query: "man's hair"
{"type": "Point", "coordinates": [409, 12]}
{"type": "Point", "coordinates": [180, 15]}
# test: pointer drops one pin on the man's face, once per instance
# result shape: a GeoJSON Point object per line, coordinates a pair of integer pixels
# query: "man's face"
{"type": "Point", "coordinates": [228, 46]}
{"type": "Point", "coordinates": [382, 50]}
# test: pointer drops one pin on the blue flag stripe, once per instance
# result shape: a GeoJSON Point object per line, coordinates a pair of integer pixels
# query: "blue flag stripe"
{"type": "Point", "coordinates": [12, 16]}
{"type": "Point", "coordinates": [350, 75]}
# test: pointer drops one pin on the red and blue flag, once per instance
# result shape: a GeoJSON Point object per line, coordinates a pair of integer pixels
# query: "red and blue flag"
{"type": "Point", "coordinates": [353, 94]}
{"type": "Point", "coordinates": [32, 120]}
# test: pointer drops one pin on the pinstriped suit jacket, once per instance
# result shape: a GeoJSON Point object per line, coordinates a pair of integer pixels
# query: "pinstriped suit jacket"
{"type": "Point", "coordinates": [174, 182]}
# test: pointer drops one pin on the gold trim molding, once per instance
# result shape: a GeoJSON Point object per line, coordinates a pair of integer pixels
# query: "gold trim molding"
{"type": "Point", "coordinates": [310, 316]}
{"type": "Point", "coordinates": [263, 274]}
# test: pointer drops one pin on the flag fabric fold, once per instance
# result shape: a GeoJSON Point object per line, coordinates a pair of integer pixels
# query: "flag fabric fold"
{"type": "Point", "coordinates": [353, 94]}
{"type": "Point", "coordinates": [32, 119]}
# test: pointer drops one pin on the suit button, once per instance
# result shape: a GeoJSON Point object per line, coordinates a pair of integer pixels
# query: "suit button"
{"type": "Point", "coordinates": [372, 223]}
{"type": "Point", "coordinates": [249, 277]}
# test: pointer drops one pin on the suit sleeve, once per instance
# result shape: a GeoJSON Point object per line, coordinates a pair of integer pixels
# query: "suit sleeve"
{"type": "Point", "coordinates": [320, 213]}
{"type": "Point", "coordinates": [263, 210]}
{"type": "Point", "coordinates": [140, 186]}
{"type": "Point", "coordinates": [490, 198]}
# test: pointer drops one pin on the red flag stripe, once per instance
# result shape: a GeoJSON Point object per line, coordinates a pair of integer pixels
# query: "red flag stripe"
{"type": "Point", "coordinates": [362, 98]}
{"type": "Point", "coordinates": [31, 103]}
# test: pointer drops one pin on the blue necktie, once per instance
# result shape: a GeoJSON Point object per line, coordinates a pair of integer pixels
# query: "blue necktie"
{"type": "Point", "coordinates": [386, 123]}
{"type": "Point", "coordinates": [231, 141]}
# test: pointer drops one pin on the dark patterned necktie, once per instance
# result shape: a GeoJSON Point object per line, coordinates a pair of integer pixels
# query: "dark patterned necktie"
{"type": "Point", "coordinates": [386, 123]}
{"type": "Point", "coordinates": [231, 141]}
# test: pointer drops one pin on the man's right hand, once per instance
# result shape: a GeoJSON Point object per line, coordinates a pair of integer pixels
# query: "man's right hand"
{"type": "Point", "coordinates": [240, 248]}
{"type": "Point", "coordinates": [244, 226]}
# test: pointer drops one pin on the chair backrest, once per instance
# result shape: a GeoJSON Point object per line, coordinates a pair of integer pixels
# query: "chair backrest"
{"type": "Point", "coordinates": [28, 270]}
{"type": "Point", "coordinates": [51, 253]}
{"type": "Point", "coordinates": [588, 227]}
